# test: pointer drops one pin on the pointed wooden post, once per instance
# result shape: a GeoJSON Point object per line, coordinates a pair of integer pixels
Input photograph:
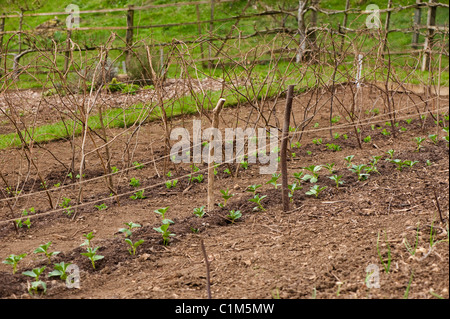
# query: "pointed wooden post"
{"type": "Point", "coordinates": [428, 46]}
{"type": "Point", "coordinates": [284, 141]}
{"type": "Point", "coordinates": [417, 18]}
{"type": "Point", "coordinates": [215, 125]}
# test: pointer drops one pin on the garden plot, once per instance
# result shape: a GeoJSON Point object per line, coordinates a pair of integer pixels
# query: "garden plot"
{"type": "Point", "coordinates": [368, 219]}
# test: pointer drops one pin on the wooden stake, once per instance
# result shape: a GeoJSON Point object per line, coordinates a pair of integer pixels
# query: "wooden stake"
{"type": "Point", "coordinates": [215, 125]}
{"type": "Point", "coordinates": [284, 140]}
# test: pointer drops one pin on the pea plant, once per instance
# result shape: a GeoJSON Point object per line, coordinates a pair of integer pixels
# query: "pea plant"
{"type": "Point", "coordinates": [60, 270]}
{"type": "Point", "coordinates": [226, 195]}
{"type": "Point", "coordinates": [329, 167]}
{"type": "Point", "coordinates": [292, 188]}
{"type": "Point", "coordinates": [138, 195]}
{"type": "Point", "coordinates": [171, 184]}
{"type": "Point", "coordinates": [253, 188]}
{"type": "Point", "coordinates": [334, 147]}
{"type": "Point", "coordinates": [233, 215]}
{"type": "Point", "coordinates": [358, 170]}
{"type": "Point", "coordinates": [401, 164]}
{"type": "Point", "coordinates": [274, 179]}
{"type": "Point", "coordinates": [36, 273]}
{"type": "Point", "coordinates": [164, 228]}
{"type": "Point", "coordinates": [419, 140]}
{"type": "Point", "coordinates": [315, 173]}
{"type": "Point", "coordinates": [135, 182]}
{"type": "Point", "coordinates": [66, 204]}
{"type": "Point", "coordinates": [91, 253]}
{"type": "Point", "coordinates": [349, 159]}
{"type": "Point", "coordinates": [127, 230]}
{"type": "Point", "coordinates": [315, 190]}
{"type": "Point", "coordinates": [101, 206]}
{"type": "Point", "coordinates": [199, 211]}
{"type": "Point", "coordinates": [257, 200]}
{"type": "Point", "coordinates": [43, 249]}
{"type": "Point", "coordinates": [337, 180]}
{"type": "Point", "coordinates": [26, 222]}
{"type": "Point", "coordinates": [13, 260]}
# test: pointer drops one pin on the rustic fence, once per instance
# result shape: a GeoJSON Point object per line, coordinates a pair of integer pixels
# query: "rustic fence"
{"type": "Point", "coordinates": [306, 15]}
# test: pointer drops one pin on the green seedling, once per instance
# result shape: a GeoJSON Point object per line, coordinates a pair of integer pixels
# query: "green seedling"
{"type": "Point", "coordinates": [372, 127]}
{"type": "Point", "coordinates": [226, 195]}
{"type": "Point", "coordinates": [43, 249]}
{"type": "Point", "coordinates": [296, 145]}
{"type": "Point", "coordinates": [227, 171]}
{"type": "Point", "coordinates": [292, 188]}
{"type": "Point", "coordinates": [317, 141]}
{"type": "Point", "coordinates": [114, 169]}
{"type": "Point", "coordinates": [138, 165]}
{"type": "Point", "coordinates": [315, 173]}
{"type": "Point", "coordinates": [315, 190]}
{"type": "Point", "coordinates": [92, 255]}
{"type": "Point", "coordinates": [87, 241]}
{"type": "Point", "coordinates": [367, 139]}
{"type": "Point", "coordinates": [138, 195]}
{"type": "Point", "coordinates": [429, 163]}
{"type": "Point", "coordinates": [391, 154]}
{"type": "Point", "coordinates": [419, 141]}
{"type": "Point", "coordinates": [329, 167]}
{"type": "Point", "coordinates": [198, 178]}
{"type": "Point", "coordinates": [335, 119]}
{"type": "Point", "coordinates": [101, 206]}
{"type": "Point", "coordinates": [57, 185]}
{"type": "Point", "coordinates": [298, 176]}
{"type": "Point", "coordinates": [133, 246]}
{"type": "Point", "coordinates": [66, 204]}
{"type": "Point", "coordinates": [233, 215]}
{"type": "Point", "coordinates": [386, 265]}
{"type": "Point", "coordinates": [408, 121]}
{"type": "Point", "coordinates": [309, 152]}
{"type": "Point", "coordinates": [253, 188]}
{"type": "Point", "coordinates": [257, 200]}
{"type": "Point", "coordinates": [171, 184]}
{"type": "Point", "coordinates": [13, 260]}
{"type": "Point", "coordinates": [345, 136]}
{"type": "Point", "coordinates": [373, 167]}
{"type": "Point", "coordinates": [199, 211]}
{"type": "Point", "coordinates": [405, 296]}
{"type": "Point", "coordinates": [401, 164]}
{"type": "Point", "coordinates": [436, 295]}
{"type": "Point", "coordinates": [316, 125]}
{"type": "Point", "coordinates": [60, 270]}
{"type": "Point", "coordinates": [385, 132]}
{"type": "Point", "coordinates": [194, 230]}
{"type": "Point", "coordinates": [349, 159]}
{"type": "Point", "coordinates": [162, 212]}
{"type": "Point", "coordinates": [433, 138]}
{"type": "Point", "coordinates": [337, 180]}
{"type": "Point", "coordinates": [36, 273]}
{"type": "Point", "coordinates": [334, 147]}
{"type": "Point", "coordinates": [358, 170]}
{"type": "Point", "coordinates": [43, 185]}
{"type": "Point", "coordinates": [166, 234]}
{"type": "Point", "coordinates": [388, 124]}
{"type": "Point", "coordinates": [135, 182]}
{"type": "Point", "coordinates": [130, 226]}
{"type": "Point", "coordinates": [244, 165]}
{"type": "Point", "coordinates": [26, 222]}
{"type": "Point", "coordinates": [411, 250]}
{"type": "Point", "coordinates": [194, 168]}
{"type": "Point", "coordinates": [274, 179]}
{"type": "Point", "coordinates": [336, 136]}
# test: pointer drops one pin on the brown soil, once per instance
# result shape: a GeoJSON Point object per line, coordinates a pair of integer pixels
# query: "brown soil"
{"type": "Point", "coordinates": [322, 244]}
